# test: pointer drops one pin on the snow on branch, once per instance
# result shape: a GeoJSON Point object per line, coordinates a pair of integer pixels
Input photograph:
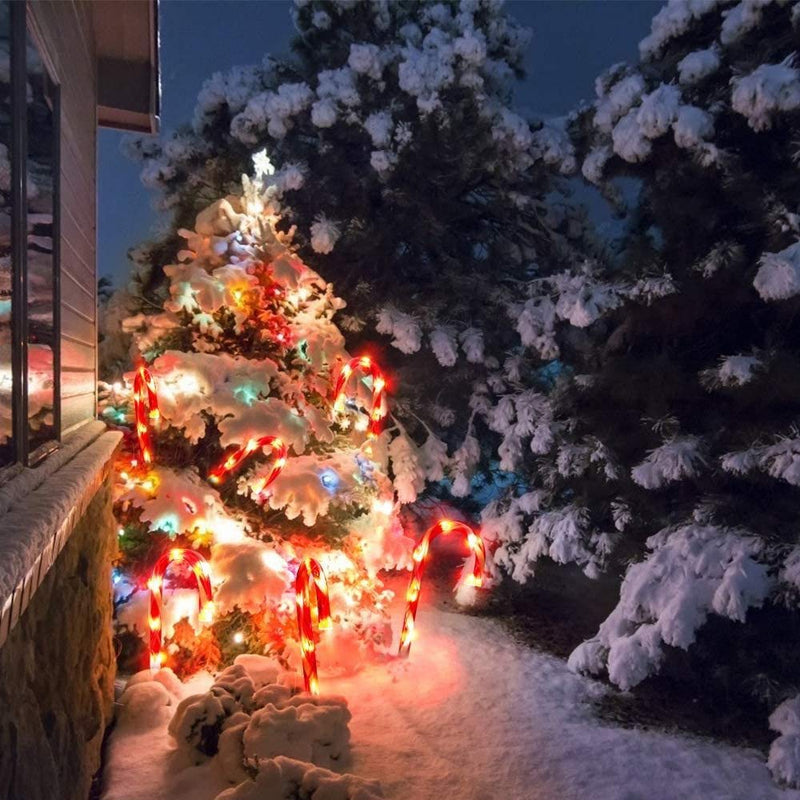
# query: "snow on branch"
{"type": "Point", "coordinates": [698, 65]}
{"type": "Point", "coordinates": [780, 460]}
{"type": "Point", "coordinates": [404, 328]}
{"type": "Point", "coordinates": [692, 571]}
{"type": "Point", "coordinates": [525, 532]}
{"type": "Point", "coordinates": [768, 89]}
{"type": "Point", "coordinates": [732, 371]}
{"type": "Point", "coordinates": [784, 753]}
{"type": "Point", "coordinates": [673, 20]}
{"type": "Point", "coordinates": [778, 276]}
{"type": "Point", "coordinates": [677, 459]}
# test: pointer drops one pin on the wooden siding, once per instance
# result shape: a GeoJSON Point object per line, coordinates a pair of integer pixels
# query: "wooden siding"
{"type": "Point", "coordinates": [64, 31]}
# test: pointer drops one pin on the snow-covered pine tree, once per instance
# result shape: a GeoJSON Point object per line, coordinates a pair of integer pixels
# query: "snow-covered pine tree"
{"type": "Point", "coordinates": [671, 438]}
{"type": "Point", "coordinates": [413, 185]}
{"type": "Point", "coordinates": [244, 347]}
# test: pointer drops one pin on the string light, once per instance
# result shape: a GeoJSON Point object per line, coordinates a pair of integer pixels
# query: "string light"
{"type": "Point", "coordinates": [445, 526]}
{"type": "Point", "coordinates": [311, 589]}
{"type": "Point", "coordinates": [202, 574]}
{"type": "Point", "coordinates": [145, 410]}
{"type": "Point", "coordinates": [329, 480]}
{"type": "Point", "coordinates": [377, 412]}
{"type": "Point", "coordinates": [232, 462]}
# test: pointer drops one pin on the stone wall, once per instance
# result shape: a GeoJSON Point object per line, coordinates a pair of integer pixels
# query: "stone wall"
{"type": "Point", "coordinates": [57, 670]}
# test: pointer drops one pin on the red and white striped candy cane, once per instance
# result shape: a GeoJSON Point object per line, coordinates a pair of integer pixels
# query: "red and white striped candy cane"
{"type": "Point", "coordinates": [311, 589]}
{"type": "Point", "coordinates": [202, 574]}
{"type": "Point", "coordinates": [145, 410]}
{"type": "Point", "coordinates": [232, 462]}
{"type": "Point", "coordinates": [377, 412]}
{"type": "Point", "coordinates": [445, 526]}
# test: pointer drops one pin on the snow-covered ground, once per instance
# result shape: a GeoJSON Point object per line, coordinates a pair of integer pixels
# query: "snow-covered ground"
{"type": "Point", "coordinates": [473, 715]}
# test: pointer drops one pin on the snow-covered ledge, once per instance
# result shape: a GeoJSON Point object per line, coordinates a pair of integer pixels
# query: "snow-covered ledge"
{"type": "Point", "coordinates": [39, 509]}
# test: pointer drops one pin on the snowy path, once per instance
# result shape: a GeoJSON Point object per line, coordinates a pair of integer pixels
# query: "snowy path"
{"type": "Point", "coordinates": [473, 715]}
{"type": "Point", "coordinates": [476, 716]}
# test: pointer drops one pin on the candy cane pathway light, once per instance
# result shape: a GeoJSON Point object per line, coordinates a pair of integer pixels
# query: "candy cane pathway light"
{"type": "Point", "coordinates": [202, 574]}
{"type": "Point", "coordinates": [311, 592]}
{"type": "Point", "coordinates": [445, 526]}
{"type": "Point", "coordinates": [232, 462]}
{"type": "Point", "coordinates": [145, 410]}
{"type": "Point", "coordinates": [376, 412]}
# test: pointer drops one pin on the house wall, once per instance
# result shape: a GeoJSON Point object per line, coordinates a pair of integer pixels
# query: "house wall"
{"type": "Point", "coordinates": [57, 664]}
{"type": "Point", "coordinates": [64, 29]}
{"type": "Point", "coordinates": [57, 670]}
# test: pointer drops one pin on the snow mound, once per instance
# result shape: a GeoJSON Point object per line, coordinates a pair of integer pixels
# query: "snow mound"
{"type": "Point", "coordinates": [303, 727]}
{"type": "Point", "coordinates": [467, 681]}
{"type": "Point", "coordinates": [286, 779]}
{"type": "Point", "coordinates": [243, 724]}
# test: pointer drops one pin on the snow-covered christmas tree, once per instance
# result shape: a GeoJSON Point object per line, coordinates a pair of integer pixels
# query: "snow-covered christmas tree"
{"type": "Point", "coordinates": [244, 348]}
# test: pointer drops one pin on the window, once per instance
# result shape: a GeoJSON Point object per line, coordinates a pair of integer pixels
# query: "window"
{"type": "Point", "coordinates": [29, 270]}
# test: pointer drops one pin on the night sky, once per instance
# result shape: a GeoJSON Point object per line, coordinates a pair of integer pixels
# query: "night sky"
{"type": "Point", "coordinates": [572, 43]}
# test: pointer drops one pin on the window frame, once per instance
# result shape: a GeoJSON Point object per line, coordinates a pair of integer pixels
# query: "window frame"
{"type": "Point", "coordinates": [20, 31]}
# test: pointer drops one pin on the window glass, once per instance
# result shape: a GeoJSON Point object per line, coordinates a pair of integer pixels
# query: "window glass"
{"type": "Point", "coordinates": [6, 375]}
{"type": "Point", "coordinates": [41, 165]}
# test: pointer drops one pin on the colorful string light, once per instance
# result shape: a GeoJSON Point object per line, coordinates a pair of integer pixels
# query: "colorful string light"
{"type": "Point", "coordinates": [145, 410]}
{"type": "Point", "coordinates": [232, 462]}
{"type": "Point", "coordinates": [311, 592]}
{"type": "Point", "coordinates": [377, 412]}
{"type": "Point", "coordinates": [445, 526]}
{"type": "Point", "coordinates": [202, 574]}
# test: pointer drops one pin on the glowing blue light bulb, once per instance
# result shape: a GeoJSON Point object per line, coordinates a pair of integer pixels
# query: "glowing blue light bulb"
{"type": "Point", "coordinates": [330, 480]}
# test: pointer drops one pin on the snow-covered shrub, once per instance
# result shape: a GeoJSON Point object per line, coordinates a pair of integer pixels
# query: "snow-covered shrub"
{"type": "Point", "coordinates": [246, 724]}
{"type": "Point", "coordinates": [260, 733]}
{"type": "Point", "coordinates": [284, 778]}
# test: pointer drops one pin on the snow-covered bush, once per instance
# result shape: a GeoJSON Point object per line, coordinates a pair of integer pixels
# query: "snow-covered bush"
{"type": "Point", "coordinates": [256, 724]}
{"type": "Point", "coordinates": [287, 779]}
{"type": "Point", "coordinates": [263, 736]}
